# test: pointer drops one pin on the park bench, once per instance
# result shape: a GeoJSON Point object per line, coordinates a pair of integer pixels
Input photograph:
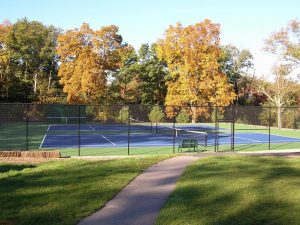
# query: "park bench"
{"type": "Point", "coordinates": [188, 143]}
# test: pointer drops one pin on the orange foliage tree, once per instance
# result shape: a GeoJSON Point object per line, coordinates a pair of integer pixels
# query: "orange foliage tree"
{"type": "Point", "coordinates": [192, 55]}
{"type": "Point", "coordinates": [87, 58]}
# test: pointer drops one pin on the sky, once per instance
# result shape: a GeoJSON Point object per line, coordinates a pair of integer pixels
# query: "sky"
{"type": "Point", "coordinates": [245, 24]}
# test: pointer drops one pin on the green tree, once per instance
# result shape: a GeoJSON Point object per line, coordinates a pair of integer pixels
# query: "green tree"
{"type": "Point", "coordinates": [235, 63]}
{"type": "Point", "coordinates": [239, 68]}
{"type": "Point", "coordinates": [156, 115]}
{"type": "Point", "coordinates": [31, 47]}
{"type": "Point", "coordinates": [153, 75]}
{"type": "Point", "coordinates": [125, 81]}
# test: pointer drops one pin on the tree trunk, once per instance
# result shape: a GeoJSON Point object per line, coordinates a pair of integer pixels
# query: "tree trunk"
{"type": "Point", "coordinates": [279, 122]}
{"type": "Point", "coordinates": [35, 83]}
{"type": "Point", "coordinates": [25, 74]}
{"type": "Point", "coordinates": [50, 78]}
{"type": "Point", "coordinates": [194, 114]}
{"type": "Point", "coordinates": [49, 84]}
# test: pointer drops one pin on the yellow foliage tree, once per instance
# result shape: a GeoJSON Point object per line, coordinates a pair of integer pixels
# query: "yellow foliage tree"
{"type": "Point", "coordinates": [192, 55]}
{"type": "Point", "coordinates": [87, 58]}
{"type": "Point", "coordinates": [5, 77]}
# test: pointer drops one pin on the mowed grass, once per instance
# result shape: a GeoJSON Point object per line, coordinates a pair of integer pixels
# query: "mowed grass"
{"type": "Point", "coordinates": [63, 192]}
{"type": "Point", "coordinates": [236, 191]}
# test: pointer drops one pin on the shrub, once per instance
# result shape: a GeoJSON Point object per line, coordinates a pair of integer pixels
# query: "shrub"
{"type": "Point", "coordinates": [156, 115]}
{"type": "Point", "coordinates": [183, 117]}
{"type": "Point", "coordinates": [91, 112]}
{"type": "Point", "coordinates": [123, 115]}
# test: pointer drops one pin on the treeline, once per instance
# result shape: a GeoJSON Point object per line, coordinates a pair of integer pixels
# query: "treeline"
{"type": "Point", "coordinates": [187, 67]}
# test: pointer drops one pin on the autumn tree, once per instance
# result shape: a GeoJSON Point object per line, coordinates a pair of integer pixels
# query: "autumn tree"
{"type": "Point", "coordinates": [87, 58]}
{"type": "Point", "coordinates": [279, 92]}
{"type": "Point", "coordinates": [5, 75]}
{"type": "Point", "coordinates": [285, 44]}
{"type": "Point", "coordinates": [192, 54]}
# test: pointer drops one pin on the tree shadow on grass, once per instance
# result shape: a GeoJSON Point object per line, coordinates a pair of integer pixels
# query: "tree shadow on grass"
{"type": "Point", "coordinates": [12, 167]}
{"type": "Point", "coordinates": [243, 191]}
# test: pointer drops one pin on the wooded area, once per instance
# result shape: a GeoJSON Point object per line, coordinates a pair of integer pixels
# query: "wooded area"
{"type": "Point", "coordinates": [186, 67]}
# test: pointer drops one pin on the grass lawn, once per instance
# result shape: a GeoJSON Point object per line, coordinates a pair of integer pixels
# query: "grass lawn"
{"type": "Point", "coordinates": [63, 192]}
{"type": "Point", "coordinates": [236, 191]}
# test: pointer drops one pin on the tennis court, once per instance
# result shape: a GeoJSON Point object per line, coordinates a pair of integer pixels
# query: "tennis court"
{"type": "Point", "coordinates": [120, 135]}
{"type": "Point", "coordinates": [123, 130]}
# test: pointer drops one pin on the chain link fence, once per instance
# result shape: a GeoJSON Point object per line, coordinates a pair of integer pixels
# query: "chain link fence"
{"type": "Point", "coordinates": [138, 129]}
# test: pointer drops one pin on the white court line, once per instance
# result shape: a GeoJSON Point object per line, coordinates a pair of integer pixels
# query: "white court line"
{"type": "Point", "coordinates": [108, 140]}
{"type": "Point", "coordinates": [248, 139]}
{"type": "Point", "coordinates": [92, 128]}
{"type": "Point", "coordinates": [43, 141]}
{"type": "Point", "coordinates": [48, 128]}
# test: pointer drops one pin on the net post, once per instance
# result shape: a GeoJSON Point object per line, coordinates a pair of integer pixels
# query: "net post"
{"type": "Point", "coordinates": [269, 128]}
{"type": "Point", "coordinates": [27, 144]}
{"type": "Point", "coordinates": [78, 130]}
{"type": "Point", "coordinates": [128, 138]}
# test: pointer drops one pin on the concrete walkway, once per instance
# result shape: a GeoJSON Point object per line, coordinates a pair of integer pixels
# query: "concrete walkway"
{"type": "Point", "coordinates": [140, 201]}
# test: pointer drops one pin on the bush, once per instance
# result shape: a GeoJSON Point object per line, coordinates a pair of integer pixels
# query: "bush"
{"type": "Point", "coordinates": [123, 115]}
{"type": "Point", "coordinates": [183, 117]}
{"type": "Point", "coordinates": [91, 112]}
{"type": "Point", "coordinates": [156, 115]}
{"type": "Point", "coordinates": [35, 115]}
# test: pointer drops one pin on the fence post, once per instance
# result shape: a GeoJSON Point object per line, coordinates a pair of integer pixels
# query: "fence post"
{"type": "Point", "coordinates": [128, 146]}
{"type": "Point", "coordinates": [27, 140]}
{"type": "Point", "coordinates": [78, 130]}
{"type": "Point", "coordinates": [270, 128]}
{"type": "Point", "coordinates": [295, 124]}
{"type": "Point", "coordinates": [174, 131]}
{"type": "Point", "coordinates": [234, 115]}
{"type": "Point", "coordinates": [216, 128]}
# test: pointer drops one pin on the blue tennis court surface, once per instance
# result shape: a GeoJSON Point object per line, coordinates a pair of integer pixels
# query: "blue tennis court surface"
{"type": "Point", "coordinates": [67, 136]}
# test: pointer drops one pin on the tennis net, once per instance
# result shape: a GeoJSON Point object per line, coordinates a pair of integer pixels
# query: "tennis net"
{"type": "Point", "coordinates": [141, 125]}
{"type": "Point", "coordinates": [180, 133]}
{"type": "Point", "coordinates": [66, 119]}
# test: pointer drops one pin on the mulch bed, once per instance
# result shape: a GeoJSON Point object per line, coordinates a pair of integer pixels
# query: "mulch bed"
{"type": "Point", "coordinates": [31, 157]}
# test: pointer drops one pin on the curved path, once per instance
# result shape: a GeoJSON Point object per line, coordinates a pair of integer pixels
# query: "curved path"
{"type": "Point", "coordinates": [141, 200]}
